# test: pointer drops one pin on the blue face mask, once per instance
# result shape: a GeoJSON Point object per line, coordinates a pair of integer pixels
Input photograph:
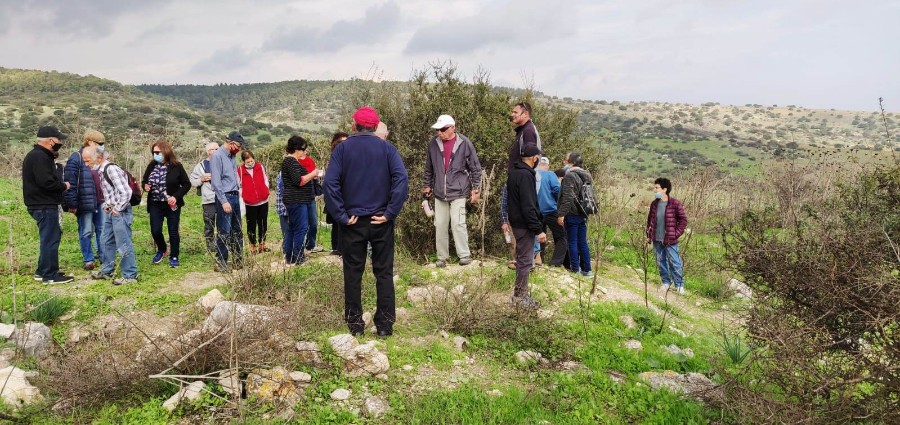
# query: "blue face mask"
{"type": "Point", "coordinates": [101, 148]}
{"type": "Point", "coordinates": [658, 196]}
{"type": "Point", "coordinates": [158, 157]}
{"type": "Point", "coordinates": [565, 167]}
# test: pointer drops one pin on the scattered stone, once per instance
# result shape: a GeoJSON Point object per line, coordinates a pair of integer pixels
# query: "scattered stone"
{"type": "Point", "coordinates": [301, 377]}
{"type": "Point", "coordinates": [359, 360]}
{"type": "Point", "coordinates": [274, 385]}
{"type": "Point", "coordinates": [189, 393]}
{"type": "Point", "coordinates": [35, 339]}
{"type": "Point", "coordinates": [340, 394]}
{"type": "Point", "coordinates": [741, 290]}
{"type": "Point", "coordinates": [633, 344]}
{"type": "Point", "coordinates": [628, 321]}
{"type": "Point", "coordinates": [529, 358]}
{"type": "Point", "coordinates": [6, 355]}
{"type": "Point", "coordinates": [6, 331]}
{"type": "Point", "coordinates": [402, 316]}
{"type": "Point", "coordinates": [16, 390]}
{"type": "Point", "coordinates": [545, 313]}
{"type": "Point", "coordinates": [461, 343]}
{"type": "Point", "coordinates": [407, 367]}
{"type": "Point", "coordinates": [675, 350]}
{"type": "Point", "coordinates": [246, 316]}
{"type": "Point", "coordinates": [573, 366]}
{"type": "Point", "coordinates": [458, 290]}
{"type": "Point", "coordinates": [677, 331]}
{"type": "Point", "coordinates": [495, 393]}
{"type": "Point", "coordinates": [375, 407]}
{"type": "Point", "coordinates": [310, 354]}
{"type": "Point", "coordinates": [76, 334]}
{"type": "Point", "coordinates": [694, 384]}
{"type": "Point", "coordinates": [343, 344]}
{"type": "Point", "coordinates": [381, 377]}
{"type": "Point", "coordinates": [230, 381]}
{"type": "Point", "coordinates": [211, 299]}
{"type": "Point", "coordinates": [616, 376]}
{"type": "Point", "coordinates": [418, 296]}
{"type": "Point", "coordinates": [444, 334]}
{"type": "Point", "coordinates": [367, 319]}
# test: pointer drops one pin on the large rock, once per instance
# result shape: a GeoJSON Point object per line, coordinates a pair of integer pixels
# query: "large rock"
{"type": "Point", "coordinates": [17, 391]}
{"type": "Point", "coordinates": [741, 290]}
{"type": "Point", "coordinates": [35, 339]}
{"type": "Point", "coordinates": [246, 316]}
{"type": "Point", "coordinates": [310, 354]}
{"type": "Point", "coordinates": [676, 350]}
{"type": "Point", "coordinates": [375, 407]}
{"type": "Point", "coordinates": [230, 381]}
{"type": "Point", "coordinates": [340, 394]}
{"type": "Point", "coordinates": [359, 359]}
{"type": "Point", "coordinates": [189, 393]}
{"type": "Point", "coordinates": [628, 321]}
{"type": "Point", "coordinates": [6, 331]}
{"type": "Point", "coordinates": [421, 297]}
{"type": "Point", "coordinates": [694, 384]}
{"type": "Point", "coordinates": [530, 358]}
{"type": "Point", "coordinates": [274, 385]}
{"type": "Point", "coordinates": [633, 344]}
{"type": "Point", "coordinates": [211, 299]}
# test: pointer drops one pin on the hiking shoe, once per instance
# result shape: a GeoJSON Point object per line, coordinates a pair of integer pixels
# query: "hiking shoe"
{"type": "Point", "coordinates": [59, 278]}
{"type": "Point", "coordinates": [158, 257]}
{"type": "Point", "coordinates": [335, 252]}
{"type": "Point", "coordinates": [89, 266]}
{"type": "Point", "coordinates": [681, 290]}
{"type": "Point", "coordinates": [587, 274]}
{"type": "Point", "coordinates": [525, 302]}
{"type": "Point", "coordinates": [98, 275]}
{"type": "Point", "coordinates": [665, 287]}
{"type": "Point", "coordinates": [315, 249]}
{"type": "Point", "coordinates": [465, 261]}
{"type": "Point", "coordinates": [440, 264]}
{"type": "Point", "coordinates": [173, 262]}
{"type": "Point", "coordinates": [511, 265]}
{"type": "Point", "coordinates": [124, 281]}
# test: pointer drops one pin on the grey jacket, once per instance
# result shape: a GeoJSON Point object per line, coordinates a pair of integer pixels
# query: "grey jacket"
{"type": "Point", "coordinates": [571, 184]}
{"type": "Point", "coordinates": [464, 172]}
{"type": "Point", "coordinates": [206, 190]}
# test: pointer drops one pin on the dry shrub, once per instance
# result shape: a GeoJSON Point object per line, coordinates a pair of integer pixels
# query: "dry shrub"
{"type": "Point", "coordinates": [827, 304]}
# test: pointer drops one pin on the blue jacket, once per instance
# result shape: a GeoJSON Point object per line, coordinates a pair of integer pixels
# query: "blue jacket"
{"type": "Point", "coordinates": [83, 194]}
{"type": "Point", "coordinates": [547, 191]}
{"type": "Point", "coordinates": [365, 176]}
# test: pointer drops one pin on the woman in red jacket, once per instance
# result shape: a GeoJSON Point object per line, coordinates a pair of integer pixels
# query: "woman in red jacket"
{"type": "Point", "coordinates": [255, 193]}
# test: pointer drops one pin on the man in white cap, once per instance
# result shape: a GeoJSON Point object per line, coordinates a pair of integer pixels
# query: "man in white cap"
{"type": "Point", "coordinates": [200, 178]}
{"type": "Point", "coordinates": [452, 174]}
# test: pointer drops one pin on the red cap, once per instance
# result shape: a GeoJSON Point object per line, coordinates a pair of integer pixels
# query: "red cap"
{"type": "Point", "coordinates": [366, 116]}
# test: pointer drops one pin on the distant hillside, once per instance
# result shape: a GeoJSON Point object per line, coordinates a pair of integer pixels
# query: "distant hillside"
{"type": "Point", "coordinates": [653, 137]}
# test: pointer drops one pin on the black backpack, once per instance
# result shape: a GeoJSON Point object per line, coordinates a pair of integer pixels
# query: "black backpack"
{"type": "Point", "coordinates": [585, 201]}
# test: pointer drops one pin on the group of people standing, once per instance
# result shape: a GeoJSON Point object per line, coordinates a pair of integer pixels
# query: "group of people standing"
{"type": "Point", "coordinates": [364, 187]}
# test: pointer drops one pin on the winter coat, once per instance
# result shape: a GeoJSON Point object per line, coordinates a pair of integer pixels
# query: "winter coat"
{"type": "Point", "coordinates": [676, 221]}
{"type": "Point", "coordinates": [521, 192]}
{"type": "Point", "coordinates": [461, 177]}
{"type": "Point", "coordinates": [82, 196]}
{"type": "Point", "coordinates": [568, 195]}
{"type": "Point", "coordinates": [42, 186]}
{"type": "Point", "coordinates": [177, 182]}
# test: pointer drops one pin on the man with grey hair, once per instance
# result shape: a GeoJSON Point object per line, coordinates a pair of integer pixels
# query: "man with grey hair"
{"type": "Point", "coordinates": [117, 219]}
{"type": "Point", "coordinates": [200, 178]}
{"type": "Point", "coordinates": [42, 191]}
{"type": "Point", "coordinates": [224, 180]}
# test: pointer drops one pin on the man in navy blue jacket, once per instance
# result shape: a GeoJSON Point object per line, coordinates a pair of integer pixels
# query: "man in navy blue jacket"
{"type": "Point", "coordinates": [366, 185]}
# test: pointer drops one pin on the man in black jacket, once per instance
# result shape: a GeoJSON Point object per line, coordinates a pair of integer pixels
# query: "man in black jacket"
{"type": "Point", "coordinates": [525, 220]}
{"type": "Point", "coordinates": [42, 191]}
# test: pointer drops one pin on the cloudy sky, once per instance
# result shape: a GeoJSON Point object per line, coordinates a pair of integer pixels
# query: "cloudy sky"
{"type": "Point", "coordinates": [817, 53]}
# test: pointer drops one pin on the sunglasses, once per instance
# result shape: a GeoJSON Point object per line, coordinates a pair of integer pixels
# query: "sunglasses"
{"type": "Point", "coordinates": [441, 130]}
{"type": "Point", "coordinates": [156, 152]}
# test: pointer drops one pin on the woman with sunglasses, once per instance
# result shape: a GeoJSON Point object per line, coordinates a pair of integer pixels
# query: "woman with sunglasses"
{"type": "Point", "coordinates": [166, 183]}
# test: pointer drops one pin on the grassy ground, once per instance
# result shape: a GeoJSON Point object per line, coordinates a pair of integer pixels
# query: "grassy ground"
{"type": "Point", "coordinates": [482, 384]}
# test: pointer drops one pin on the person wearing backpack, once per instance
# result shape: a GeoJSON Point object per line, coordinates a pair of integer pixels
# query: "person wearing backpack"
{"type": "Point", "coordinates": [573, 212]}
{"type": "Point", "coordinates": [200, 178]}
{"type": "Point", "coordinates": [666, 222]}
{"type": "Point", "coordinates": [117, 220]}
{"type": "Point", "coordinates": [166, 183]}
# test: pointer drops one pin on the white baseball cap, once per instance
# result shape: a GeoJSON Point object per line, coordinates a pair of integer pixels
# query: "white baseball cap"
{"type": "Point", "coordinates": [443, 121]}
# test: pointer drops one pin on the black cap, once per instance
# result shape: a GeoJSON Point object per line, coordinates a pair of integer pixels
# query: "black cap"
{"type": "Point", "coordinates": [50, 131]}
{"type": "Point", "coordinates": [530, 150]}
{"type": "Point", "coordinates": [235, 136]}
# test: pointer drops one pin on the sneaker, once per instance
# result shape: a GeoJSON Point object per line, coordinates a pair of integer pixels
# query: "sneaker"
{"type": "Point", "coordinates": [89, 266]}
{"type": "Point", "coordinates": [587, 274]}
{"type": "Point", "coordinates": [440, 264]}
{"type": "Point", "coordinates": [158, 257]}
{"type": "Point", "coordinates": [511, 265]}
{"type": "Point", "coordinates": [335, 252]}
{"type": "Point", "coordinates": [317, 248]}
{"type": "Point", "coordinates": [681, 290]}
{"type": "Point", "coordinates": [59, 278]}
{"type": "Point", "coordinates": [173, 262]}
{"type": "Point", "coordinates": [98, 275]}
{"type": "Point", "coordinates": [465, 261]}
{"type": "Point", "coordinates": [38, 278]}
{"type": "Point", "coordinates": [124, 281]}
{"type": "Point", "coordinates": [665, 287]}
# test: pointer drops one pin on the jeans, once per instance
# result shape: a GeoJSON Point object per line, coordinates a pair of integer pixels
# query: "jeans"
{"type": "Point", "coordinates": [579, 253]}
{"type": "Point", "coordinates": [285, 228]}
{"type": "Point", "coordinates": [209, 226]}
{"type": "Point", "coordinates": [86, 223]}
{"type": "Point", "coordinates": [450, 216]}
{"type": "Point", "coordinates": [99, 217]}
{"type": "Point", "coordinates": [669, 263]}
{"type": "Point", "coordinates": [159, 211]}
{"type": "Point", "coordinates": [117, 238]}
{"type": "Point", "coordinates": [354, 240]}
{"type": "Point", "coordinates": [298, 223]}
{"type": "Point", "coordinates": [560, 243]}
{"type": "Point", "coordinates": [49, 234]}
{"type": "Point", "coordinates": [230, 238]}
{"type": "Point", "coordinates": [257, 221]}
{"type": "Point", "coordinates": [312, 217]}
{"type": "Point", "coordinates": [524, 260]}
